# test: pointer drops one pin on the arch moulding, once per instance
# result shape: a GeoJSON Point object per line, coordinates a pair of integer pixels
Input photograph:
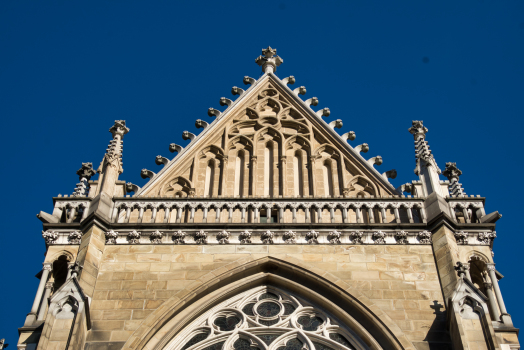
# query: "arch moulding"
{"type": "Point", "coordinates": [374, 326]}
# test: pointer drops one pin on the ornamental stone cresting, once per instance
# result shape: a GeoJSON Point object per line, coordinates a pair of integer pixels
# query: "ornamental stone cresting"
{"type": "Point", "coordinates": [270, 230]}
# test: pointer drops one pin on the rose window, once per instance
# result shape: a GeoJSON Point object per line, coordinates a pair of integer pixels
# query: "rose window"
{"type": "Point", "coordinates": [265, 318]}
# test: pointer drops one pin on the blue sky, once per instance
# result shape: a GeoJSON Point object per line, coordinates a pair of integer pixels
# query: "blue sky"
{"type": "Point", "coordinates": [69, 69]}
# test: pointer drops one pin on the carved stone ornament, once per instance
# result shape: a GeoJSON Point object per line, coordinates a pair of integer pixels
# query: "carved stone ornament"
{"type": "Point", "coordinates": [334, 237]}
{"type": "Point", "coordinates": [267, 237]}
{"type": "Point", "coordinates": [223, 237]}
{"type": "Point", "coordinates": [487, 237]}
{"type": "Point", "coordinates": [424, 237]}
{"type": "Point", "coordinates": [111, 237]}
{"type": "Point", "coordinates": [401, 237]}
{"type": "Point", "coordinates": [156, 237]}
{"type": "Point", "coordinates": [245, 237]}
{"type": "Point", "coordinates": [74, 237]}
{"type": "Point", "coordinates": [201, 237]}
{"type": "Point", "coordinates": [290, 237]}
{"type": "Point", "coordinates": [49, 236]}
{"type": "Point", "coordinates": [133, 237]}
{"type": "Point", "coordinates": [461, 237]}
{"type": "Point", "coordinates": [178, 237]}
{"type": "Point", "coordinates": [356, 237]}
{"type": "Point", "coordinates": [312, 237]}
{"type": "Point", "coordinates": [379, 237]}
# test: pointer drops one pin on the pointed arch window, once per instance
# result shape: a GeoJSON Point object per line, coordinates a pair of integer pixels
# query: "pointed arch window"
{"type": "Point", "coordinates": [210, 179]}
{"type": "Point", "coordinates": [239, 174]}
{"type": "Point", "coordinates": [298, 177]}
{"type": "Point", "coordinates": [328, 178]}
{"type": "Point", "coordinates": [268, 170]}
{"type": "Point", "coordinates": [265, 318]}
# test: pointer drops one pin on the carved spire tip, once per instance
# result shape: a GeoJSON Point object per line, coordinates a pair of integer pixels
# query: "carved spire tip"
{"type": "Point", "coordinates": [269, 61]}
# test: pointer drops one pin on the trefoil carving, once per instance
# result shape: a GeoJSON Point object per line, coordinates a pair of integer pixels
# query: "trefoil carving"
{"type": "Point", "coordinates": [49, 236]}
{"type": "Point", "coordinates": [74, 237]}
{"type": "Point", "coordinates": [312, 237]}
{"type": "Point", "coordinates": [223, 237]}
{"type": "Point", "coordinates": [178, 237]}
{"type": "Point", "coordinates": [424, 237]}
{"type": "Point", "coordinates": [111, 237]}
{"type": "Point", "coordinates": [245, 237]}
{"type": "Point", "coordinates": [461, 237]}
{"type": "Point", "coordinates": [356, 237]}
{"type": "Point", "coordinates": [379, 237]}
{"type": "Point", "coordinates": [290, 237]}
{"type": "Point", "coordinates": [201, 237]}
{"type": "Point", "coordinates": [267, 237]}
{"type": "Point", "coordinates": [334, 237]}
{"type": "Point", "coordinates": [401, 237]}
{"type": "Point", "coordinates": [156, 237]}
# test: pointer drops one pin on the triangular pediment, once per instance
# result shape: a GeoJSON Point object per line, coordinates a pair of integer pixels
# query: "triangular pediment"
{"type": "Point", "coordinates": [268, 124]}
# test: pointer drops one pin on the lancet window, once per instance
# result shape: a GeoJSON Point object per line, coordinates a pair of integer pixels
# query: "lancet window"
{"type": "Point", "coordinates": [265, 318]}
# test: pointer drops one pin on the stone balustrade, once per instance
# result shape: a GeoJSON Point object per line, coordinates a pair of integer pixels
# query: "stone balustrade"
{"type": "Point", "coordinates": [234, 210]}
{"type": "Point", "coordinates": [71, 209]}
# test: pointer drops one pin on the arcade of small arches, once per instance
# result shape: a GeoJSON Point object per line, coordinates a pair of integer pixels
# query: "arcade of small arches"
{"type": "Point", "coordinates": [270, 150]}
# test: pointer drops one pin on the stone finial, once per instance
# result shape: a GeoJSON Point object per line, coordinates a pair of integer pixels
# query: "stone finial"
{"type": "Point", "coordinates": [86, 172]}
{"type": "Point", "coordinates": [130, 187]}
{"type": "Point", "coordinates": [186, 135]}
{"type": "Point", "coordinates": [144, 174]}
{"type": "Point", "coordinates": [249, 80]}
{"type": "Point", "coordinates": [336, 124]}
{"type": "Point", "coordinates": [289, 80]}
{"type": "Point", "coordinates": [200, 124]}
{"type": "Point", "coordinates": [270, 61]}
{"type": "Point", "coordinates": [235, 90]}
{"type": "Point", "coordinates": [452, 172]}
{"type": "Point", "coordinates": [225, 101]}
{"type": "Point", "coordinates": [418, 129]}
{"type": "Point", "coordinates": [301, 90]}
{"type": "Point", "coordinates": [390, 174]}
{"type": "Point", "coordinates": [313, 101]}
{"type": "Point", "coordinates": [349, 136]}
{"type": "Point", "coordinates": [363, 148]}
{"type": "Point", "coordinates": [119, 128]}
{"type": "Point", "coordinates": [375, 160]}
{"type": "Point", "coordinates": [213, 112]}
{"type": "Point", "coordinates": [175, 148]}
{"type": "Point", "coordinates": [159, 160]}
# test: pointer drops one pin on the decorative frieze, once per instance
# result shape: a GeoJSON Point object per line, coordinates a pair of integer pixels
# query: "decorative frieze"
{"type": "Point", "coordinates": [267, 237]}
{"type": "Point", "coordinates": [486, 237]}
{"type": "Point", "coordinates": [312, 237]}
{"type": "Point", "coordinates": [201, 237]}
{"type": "Point", "coordinates": [379, 237]}
{"type": "Point", "coordinates": [356, 237]}
{"type": "Point", "coordinates": [290, 237]}
{"type": "Point", "coordinates": [245, 237]}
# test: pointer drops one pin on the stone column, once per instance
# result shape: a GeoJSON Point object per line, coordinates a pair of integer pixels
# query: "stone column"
{"type": "Point", "coordinates": [154, 212]}
{"type": "Point", "coordinates": [31, 317]}
{"type": "Point", "coordinates": [307, 212]}
{"type": "Point", "coordinates": [281, 214]}
{"type": "Point", "coordinates": [283, 161]}
{"type": "Point", "coordinates": [358, 214]}
{"type": "Point", "coordinates": [128, 214]}
{"type": "Point", "coordinates": [72, 213]}
{"type": "Point", "coordinates": [495, 282]}
{"type": "Point", "coordinates": [43, 306]}
{"type": "Point", "coordinates": [253, 175]}
{"type": "Point", "coordinates": [345, 215]}
{"type": "Point", "coordinates": [256, 219]}
{"type": "Point", "coordinates": [268, 214]}
{"type": "Point", "coordinates": [166, 214]}
{"type": "Point", "coordinates": [294, 214]}
{"type": "Point", "coordinates": [319, 214]}
{"type": "Point", "coordinates": [467, 271]}
{"type": "Point", "coordinates": [204, 219]}
{"type": "Point", "coordinates": [230, 219]}
{"type": "Point", "coordinates": [371, 215]}
{"type": "Point", "coordinates": [224, 175]}
{"type": "Point", "coordinates": [495, 314]}
{"type": "Point", "coordinates": [313, 187]}
{"type": "Point", "coordinates": [243, 217]}
{"type": "Point", "coordinates": [218, 211]}
{"type": "Point", "coordinates": [192, 215]}
{"type": "Point", "coordinates": [332, 214]}
{"type": "Point", "coordinates": [140, 213]}
{"type": "Point", "coordinates": [179, 215]}
{"type": "Point", "coordinates": [410, 213]}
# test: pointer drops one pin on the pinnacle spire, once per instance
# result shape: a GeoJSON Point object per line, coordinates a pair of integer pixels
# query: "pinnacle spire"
{"type": "Point", "coordinates": [453, 173]}
{"type": "Point", "coordinates": [270, 61]}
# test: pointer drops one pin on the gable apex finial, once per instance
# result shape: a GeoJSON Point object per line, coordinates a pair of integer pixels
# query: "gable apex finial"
{"type": "Point", "coordinates": [270, 61]}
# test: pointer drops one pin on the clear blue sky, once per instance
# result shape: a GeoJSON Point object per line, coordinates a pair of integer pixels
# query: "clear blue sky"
{"type": "Point", "coordinates": [68, 69]}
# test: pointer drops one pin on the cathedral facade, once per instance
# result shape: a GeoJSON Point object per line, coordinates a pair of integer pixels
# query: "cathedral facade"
{"type": "Point", "coordinates": [270, 230]}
